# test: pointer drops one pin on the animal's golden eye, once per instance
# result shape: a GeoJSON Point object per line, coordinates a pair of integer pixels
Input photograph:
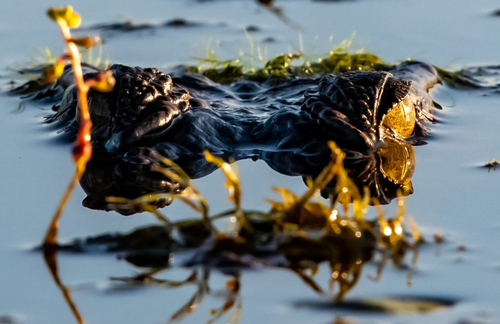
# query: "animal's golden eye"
{"type": "Point", "coordinates": [398, 161]}
{"type": "Point", "coordinates": [401, 118]}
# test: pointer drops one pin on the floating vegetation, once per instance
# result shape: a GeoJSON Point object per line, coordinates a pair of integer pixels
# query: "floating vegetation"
{"type": "Point", "coordinates": [38, 90]}
{"type": "Point", "coordinates": [298, 234]}
{"type": "Point", "coordinates": [492, 165]}
{"type": "Point", "coordinates": [439, 238]}
{"type": "Point", "coordinates": [33, 69]}
{"type": "Point", "coordinates": [252, 66]}
{"type": "Point", "coordinates": [340, 59]}
{"type": "Point", "coordinates": [282, 67]}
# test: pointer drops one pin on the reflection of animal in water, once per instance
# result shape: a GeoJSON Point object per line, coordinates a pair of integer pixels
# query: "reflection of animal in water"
{"type": "Point", "coordinates": [384, 172]}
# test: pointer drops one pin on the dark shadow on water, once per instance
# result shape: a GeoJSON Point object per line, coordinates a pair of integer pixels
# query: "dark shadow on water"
{"type": "Point", "coordinates": [406, 304]}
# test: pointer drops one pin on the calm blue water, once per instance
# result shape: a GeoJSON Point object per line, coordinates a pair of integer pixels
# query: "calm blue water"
{"type": "Point", "coordinates": [452, 194]}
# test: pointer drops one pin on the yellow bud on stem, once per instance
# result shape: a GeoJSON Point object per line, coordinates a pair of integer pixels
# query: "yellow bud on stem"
{"type": "Point", "coordinates": [87, 42]}
{"type": "Point", "coordinates": [103, 82]}
{"type": "Point", "coordinates": [52, 72]}
{"type": "Point", "coordinates": [66, 14]}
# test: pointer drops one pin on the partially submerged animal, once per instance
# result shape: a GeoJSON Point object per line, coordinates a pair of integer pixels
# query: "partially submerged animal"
{"type": "Point", "coordinates": [373, 116]}
{"type": "Point", "coordinates": [189, 113]}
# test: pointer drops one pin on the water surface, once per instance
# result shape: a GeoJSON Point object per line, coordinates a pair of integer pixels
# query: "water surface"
{"type": "Point", "coordinates": [452, 193]}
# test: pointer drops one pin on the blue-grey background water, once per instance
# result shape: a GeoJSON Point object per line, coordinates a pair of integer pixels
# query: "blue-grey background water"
{"type": "Point", "coordinates": [452, 195]}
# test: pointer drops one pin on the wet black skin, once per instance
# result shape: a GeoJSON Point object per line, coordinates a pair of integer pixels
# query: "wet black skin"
{"type": "Point", "coordinates": [189, 113]}
{"type": "Point", "coordinates": [286, 123]}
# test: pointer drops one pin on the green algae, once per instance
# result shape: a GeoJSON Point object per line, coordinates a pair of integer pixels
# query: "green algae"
{"type": "Point", "coordinates": [339, 60]}
{"type": "Point", "coordinates": [290, 65]}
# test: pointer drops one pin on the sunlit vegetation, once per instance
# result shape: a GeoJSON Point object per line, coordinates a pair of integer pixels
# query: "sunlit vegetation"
{"type": "Point", "coordinates": [287, 65]}
{"type": "Point", "coordinates": [252, 66]}
{"type": "Point", "coordinates": [67, 19]}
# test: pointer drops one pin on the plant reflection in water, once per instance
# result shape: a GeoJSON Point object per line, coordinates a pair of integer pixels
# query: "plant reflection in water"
{"type": "Point", "coordinates": [298, 234]}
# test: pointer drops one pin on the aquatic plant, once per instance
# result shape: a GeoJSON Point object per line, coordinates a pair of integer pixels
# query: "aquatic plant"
{"type": "Point", "coordinates": [340, 59]}
{"type": "Point", "coordinates": [282, 66]}
{"type": "Point", "coordinates": [492, 165]}
{"type": "Point", "coordinates": [67, 19]}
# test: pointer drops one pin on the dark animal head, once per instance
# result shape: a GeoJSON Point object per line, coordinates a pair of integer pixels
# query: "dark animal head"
{"type": "Point", "coordinates": [359, 108]}
{"type": "Point", "coordinates": [140, 108]}
{"type": "Point", "coordinates": [146, 103]}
